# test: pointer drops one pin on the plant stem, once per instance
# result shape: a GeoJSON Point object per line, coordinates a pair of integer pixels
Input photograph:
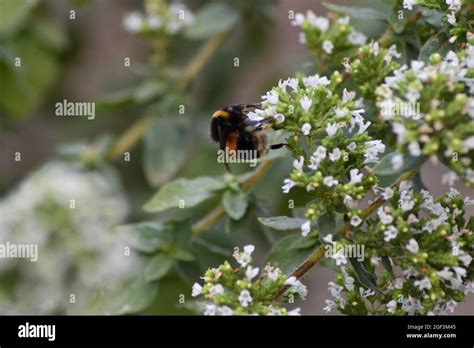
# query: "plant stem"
{"type": "Point", "coordinates": [218, 212]}
{"type": "Point", "coordinates": [200, 60]}
{"type": "Point", "coordinates": [133, 134]}
{"type": "Point", "coordinates": [319, 252]}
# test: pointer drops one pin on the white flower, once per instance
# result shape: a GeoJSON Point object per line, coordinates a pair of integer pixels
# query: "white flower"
{"type": "Point", "coordinates": [329, 306]}
{"type": "Point", "coordinates": [224, 310]}
{"type": "Point", "coordinates": [414, 149]}
{"type": "Point", "coordinates": [314, 81]}
{"type": "Point", "coordinates": [244, 298]}
{"type": "Point", "coordinates": [423, 284]}
{"type": "Point", "coordinates": [217, 289]}
{"type": "Point", "coordinates": [387, 193]}
{"type": "Point", "coordinates": [317, 157]}
{"type": "Point", "coordinates": [408, 4]}
{"type": "Point", "coordinates": [452, 18]}
{"type": "Point", "coordinates": [299, 20]}
{"type": "Point", "coordinates": [329, 181]}
{"type": "Point", "coordinates": [449, 178]}
{"type": "Point", "coordinates": [339, 258]}
{"type": "Point", "coordinates": [197, 290]}
{"type": "Point", "coordinates": [334, 289]}
{"type": "Point", "coordinates": [356, 38]}
{"type": "Point", "coordinates": [331, 129]}
{"type": "Point", "coordinates": [251, 273]}
{"type": "Point", "coordinates": [296, 286]}
{"type": "Point", "coordinates": [133, 22]}
{"type": "Point", "coordinates": [392, 306]}
{"type": "Point", "coordinates": [385, 218]}
{"type": "Point", "coordinates": [306, 228]}
{"type": "Point", "coordinates": [356, 221]}
{"type": "Point", "coordinates": [374, 148]}
{"type": "Point", "coordinates": [279, 118]}
{"type": "Point", "coordinates": [335, 154]}
{"type": "Point", "coordinates": [412, 246]}
{"type": "Point", "coordinates": [271, 97]}
{"type": "Point", "coordinates": [390, 233]}
{"type": "Point", "coordinates": [375, 48]}
{"type": "Point", "coordinates": [210, 309]}
{"type": "Point", "coordinates": [298, 164]}
{"type": "Point", "coordinates": [347, 95]}
{"type": "Point", "coordinates": [295, 312]}
{"type": "Point", "coordinates": [366, 293]}
{"type": "Point", "coordinates": [244, 258]}
{"type": "Point", "coordinates": [306, 128]}
{"type": "Point", "coordinates": [306, 103]}
{"type": "Point", "coordinates": [288, 185]}
{"type": "Point", "coordinates": [348, 280]}
{"type": "Point", "coordinates": [272, 272]}
{"type": "Point", "coordinates": [328, 238]}
{"type": "Point", "coordinates": [343, 20]}
{"type": "Point", "coordinates": [349, 202]}
{"type": "Point", "coordinates": [293, 84]}
{"type": "Point", "coordinates": [153, 22]}
{"type": "Point", "coordinates": [469, 143]}
{"type": "Point", "coordinates": [454, 5]}
{"type": "Point", "coordinates": [416, 65]}
{"type": "Point", "coordinates": [397, 161]}
{"type": "Point", "coordinates": [328, 46]}
{"type": "Point", "coordinates": [301, 38]}
{"type": "Point", "coordinates": [321, 23]}
{"type": "Point", "coordinates": [356, 176]}
{"type": "Point", "coordinates": [352, 146]}
{"type": "Point", "coordinates": [451, 306]}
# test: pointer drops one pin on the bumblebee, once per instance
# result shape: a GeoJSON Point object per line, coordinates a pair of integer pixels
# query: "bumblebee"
{"type": "Point", "coordinates": [233, 130]}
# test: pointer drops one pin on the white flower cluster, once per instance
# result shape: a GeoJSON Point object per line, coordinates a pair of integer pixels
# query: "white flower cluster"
{"type": "Point", "coordinates": [177, 17]}
{"type": "Point", "coordinates": [77, 252]}
{"type": "Point", "coordinates": [400, 97]}
{"type": "Point", "coordinates": [336, 290]}
{"type": "Point", "coordinates": [452, 6]}
{"type": "Point", "coordinates": [222, 295]}
{"type": "Point", "coordinates": [312, 22]}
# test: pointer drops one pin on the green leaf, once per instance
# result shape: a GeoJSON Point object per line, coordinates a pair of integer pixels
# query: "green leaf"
{"type": "Point", "coordinates": [13, 12]}
{"type": "Point", "coordinates": [435, 44]}
{"type": "Point", "coordinates": [387, 175]}
{"type": "Point", "coordinates": [286, 257]}
{"type": "Point", "coordinates": [357, 12]}
{"type": "Point", "coordinates": [135, 297]}
{"type": "Point", "coordinates": [432, 16]}
{"type": "Point", "coordinates": [184, 255]}
{"type": "Point", "coordinates": [396, 23]}
{"type": "Point", "coordinates": [282, 223]}
{"type": "Point", "coordinates": [304, 242]}
{"type": "Point", "coordinates": [235, 204]}
{"type": "Point", "coordinates": [158, 267]}
{"type": "Point", "coordinates": [212, 19]}
{"type": "Point", "coordinates": [327, 224]}
{"type": "Point", "coordinates": [147, 237]}
{"type": "Point", "coordinates": [470, 224]}
{"type": "Point", "coordinates": [387, 264]}
{"type": "Point", "coordinates": [189, 192]}
{"type": "Point", "coordinates": [165, 148]}
{"type": "Point", "coordinates": [365, 278]}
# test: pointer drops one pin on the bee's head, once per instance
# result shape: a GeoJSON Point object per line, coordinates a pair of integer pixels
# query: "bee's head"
{"type": "Point", "coordinates": [223, 114]}
{"type": "Point", "coordinates": [218, 119]}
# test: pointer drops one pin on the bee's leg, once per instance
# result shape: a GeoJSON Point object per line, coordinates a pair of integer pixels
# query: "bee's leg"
{"type": "Point", "coordinates": [279, 146]}
{"type": "Point", "coordinates": [255, 123]}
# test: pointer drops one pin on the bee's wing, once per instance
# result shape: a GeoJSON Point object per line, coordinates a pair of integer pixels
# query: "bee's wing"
{"type": "Point", "coordinates": [249, 122]}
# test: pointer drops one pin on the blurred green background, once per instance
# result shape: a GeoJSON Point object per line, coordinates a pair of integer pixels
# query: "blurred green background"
{"type": "Point", "coordinates": [76, 50]}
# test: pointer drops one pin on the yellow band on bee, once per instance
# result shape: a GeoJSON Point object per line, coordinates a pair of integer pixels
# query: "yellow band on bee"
{"type": "Point", "coordinates": [221, 113]}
